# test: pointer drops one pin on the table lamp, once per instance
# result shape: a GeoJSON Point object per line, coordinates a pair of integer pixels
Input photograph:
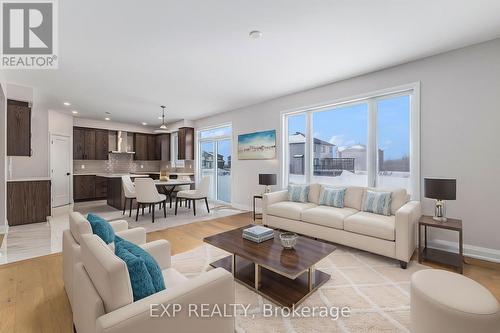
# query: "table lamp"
{"type": "Point", "coordinates": [267, 179]}
{"type": "Point", "coordinates": [440, 189]}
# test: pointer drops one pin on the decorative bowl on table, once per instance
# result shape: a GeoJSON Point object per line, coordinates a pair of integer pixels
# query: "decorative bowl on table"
{"type": "Point", "coordinates": [288, 239]}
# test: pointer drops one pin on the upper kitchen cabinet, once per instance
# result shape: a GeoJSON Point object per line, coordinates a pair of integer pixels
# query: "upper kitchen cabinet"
{"type": "Point", "coordinates": [101, 144]}
{"type": "Point", "coordinates": [185, 147]}
{"type": "Point", "coordinates": [152, 155]}
{"type": "Point", "coordinates": [141, 146]}
{"type": "Point", "coordinates": [18, 128]}
{"type": "Point", "coordinates": [163, 147]}
{"type": "Point", "coordinates": [90, 144]}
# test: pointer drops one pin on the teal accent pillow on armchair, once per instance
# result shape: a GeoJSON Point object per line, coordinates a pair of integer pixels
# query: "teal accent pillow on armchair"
{"type": "Point", "coordinates": [101, 228]}
{"type": "Point", "coordinates": [152, 268]}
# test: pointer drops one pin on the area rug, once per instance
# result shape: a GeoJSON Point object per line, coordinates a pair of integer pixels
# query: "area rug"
{"type": "Point", "coordinates": [374, 288]}
{"type": "Point", "coordinates": [184, 215]}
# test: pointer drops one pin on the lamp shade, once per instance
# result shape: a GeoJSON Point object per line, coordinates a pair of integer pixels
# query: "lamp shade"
{"type": "Point", "coordinates": [267, 179]}
{"type": "Point", "coordinates": [441, 189]}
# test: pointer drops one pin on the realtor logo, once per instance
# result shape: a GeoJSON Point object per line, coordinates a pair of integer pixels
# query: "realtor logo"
{"type": "Point", "coordinates": [29, 39]}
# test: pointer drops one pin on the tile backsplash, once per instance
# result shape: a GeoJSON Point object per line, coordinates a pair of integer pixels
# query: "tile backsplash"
{"type": "Point", "coordinates": [117, 163]}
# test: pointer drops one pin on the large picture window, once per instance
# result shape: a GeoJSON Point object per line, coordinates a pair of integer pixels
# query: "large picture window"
{"type": "Point", "coordinates": [366, 141]}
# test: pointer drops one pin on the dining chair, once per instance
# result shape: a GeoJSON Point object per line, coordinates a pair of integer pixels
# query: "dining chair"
{"type": "Point", "coordinates": [129, 192]}
{"type": "Point", "coordinates": [147, 195]}
{"type": "Point", "coordinates": [193, 195]}
{"type": "Point", "coordinates": [179, 188]}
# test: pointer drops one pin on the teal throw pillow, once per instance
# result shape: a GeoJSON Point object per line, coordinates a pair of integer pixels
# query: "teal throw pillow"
{"type": "Point", "coordinates": [101, 228]}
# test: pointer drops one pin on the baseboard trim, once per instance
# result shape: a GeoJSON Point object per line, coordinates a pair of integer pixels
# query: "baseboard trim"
{"type": "Point", "coordinates": [471, 251]}
{"type": "Point", "coordinates": [241, 207]}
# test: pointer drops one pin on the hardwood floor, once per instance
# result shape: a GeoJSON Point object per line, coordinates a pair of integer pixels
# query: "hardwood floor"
{"type": "Point", "coordinates": [32, 296]}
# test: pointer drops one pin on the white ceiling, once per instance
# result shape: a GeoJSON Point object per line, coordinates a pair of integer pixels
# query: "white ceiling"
{"type": "Point", "coordinates": [128, 57]}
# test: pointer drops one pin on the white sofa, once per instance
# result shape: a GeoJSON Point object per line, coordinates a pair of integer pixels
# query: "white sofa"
{"type": "Point", "coordinates": [78, 226]}
{"type": "Point", "coordinates": [103, 298]}
{"type": "Point", "coordinates": [391, 236]}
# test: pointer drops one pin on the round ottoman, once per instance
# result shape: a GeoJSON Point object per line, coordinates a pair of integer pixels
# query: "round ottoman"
{"type": "Point", "coordinates": [445, 302]}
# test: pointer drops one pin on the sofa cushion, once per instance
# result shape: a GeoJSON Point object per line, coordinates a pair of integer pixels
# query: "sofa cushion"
{"type": "Point", "coordinates": [314, 192]}
{"type": "Point", "coordinates": [289, 209]}
{"type": "Point", "coordinates": [327, 216]}
{"type": "Point", "coordinates": [332, 196]}
{"type": "Point", "coordinates": [151, 264]}
{"type": "Point", "coordinates": [101, 228]}
{"type": "Point", "coordinates": [377, 202]}
{"type": "Point", "coordinates": [173, 278]}
{"type": "Point", "coordinates": [370, 224]}
{"type": "Point", "coordinates": [298, 192]}
{"type": "Point", "coordinates": [399, 197]}
{"type": "Point", "coordinates": [354, 197]}
{"type": "Point", "coordinates": [140, 279]}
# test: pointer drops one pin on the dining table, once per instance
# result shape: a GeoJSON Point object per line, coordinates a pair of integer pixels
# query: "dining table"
{"type": "Point", "coordinates": [168, 186]}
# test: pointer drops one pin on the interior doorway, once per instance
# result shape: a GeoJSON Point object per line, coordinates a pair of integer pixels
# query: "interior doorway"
{"type": "Point", "coordinates": [60, 169]}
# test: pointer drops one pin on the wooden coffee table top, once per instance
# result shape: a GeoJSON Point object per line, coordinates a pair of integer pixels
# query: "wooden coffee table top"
{"type": "Point", "coordinates": [270, 254]}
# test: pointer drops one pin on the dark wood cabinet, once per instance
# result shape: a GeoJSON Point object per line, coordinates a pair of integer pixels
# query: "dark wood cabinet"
{"type": "Point", "coordinates": [163, 146]}
{"type": "Point", "coordinates": [101, 187]}
{"type": "Point", "coordinates": [141, 146]}
{"type": "Point", "coordinates": [18, 128]}
{"type": "Point", "coordinates": [152, 156]}
{"type": "Point", "coordinates": [84, 187]}
{"type": "Point", "coordinates": [185, 148]}
{"type": "Point", "coordinates": [150, 147]}
{"type": "Point", "coordinates": [101, 144]}
{"type": "Point", "coordinates": [28, 201]}
{"type": "Point", "coordinates": [78, 143]}
{"type": "Point", "coordinates": [90, 144]}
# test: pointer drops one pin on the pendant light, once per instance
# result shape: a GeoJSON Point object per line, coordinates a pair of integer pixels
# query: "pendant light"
{"type": "Point", "coordinates": [163, 127]}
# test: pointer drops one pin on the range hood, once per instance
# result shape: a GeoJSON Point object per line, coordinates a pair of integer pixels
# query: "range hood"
{"type": "Point", "coordinates": [122, 144]}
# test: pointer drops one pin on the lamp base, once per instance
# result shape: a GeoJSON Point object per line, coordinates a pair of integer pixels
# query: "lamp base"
{"type": "Point", "coordinates": [439, 218]}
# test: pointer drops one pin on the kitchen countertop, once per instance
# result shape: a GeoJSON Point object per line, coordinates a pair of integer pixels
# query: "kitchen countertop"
{"type": "Point", "coordinates": [30, 179]}
{"type": "Point", "coordinates": [109, 175]}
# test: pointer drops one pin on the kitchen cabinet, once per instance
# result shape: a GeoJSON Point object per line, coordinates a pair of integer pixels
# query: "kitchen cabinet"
{"type": "Point", "coordinates": [151, 147]}
{"type": "Point", "coordinates": [90, 144]}
{"type": "Point", "coordinates": [83, 187]}
{"type": "Point", "coordinates": [101, 187]}
{"type": "Point", "coordinates": [141, 146]}
{"type": "Point", "coordinates": [101, 144]}
{"type": "Point", "coordinates": [18, 128]}
{"type": "Point", "coordinates": [28, 201]}
{"type": "Point", "coordinates": [185, 148]}
{"type": "Point", "coordinates": [163, 147]}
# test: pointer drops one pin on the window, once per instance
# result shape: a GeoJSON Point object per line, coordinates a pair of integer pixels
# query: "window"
{"type": "Point", "coordinates": [297, 148]}
{"type": "Point", "coordinates": [174, 138]}
{"type": "Point", "coordinates": [371, 141]}
{"type": "Point", "coordinates": [214, 156]}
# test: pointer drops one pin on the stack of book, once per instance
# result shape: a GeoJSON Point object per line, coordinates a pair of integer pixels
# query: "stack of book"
{"type": "Point", "coordinates": [258, 234]}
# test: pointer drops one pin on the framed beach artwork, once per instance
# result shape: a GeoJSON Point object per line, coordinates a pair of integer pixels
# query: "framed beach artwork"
{"type": "Point", "coordinates": [257, 146]}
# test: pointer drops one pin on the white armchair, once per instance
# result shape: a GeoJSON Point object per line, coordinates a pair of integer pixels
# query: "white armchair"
{"type": "Point", "coordinates": [104, 299]}
{"type": "Point", "coordinates": [78, 226]}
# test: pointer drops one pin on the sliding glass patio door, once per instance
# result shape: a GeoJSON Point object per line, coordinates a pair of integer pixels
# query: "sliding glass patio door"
{"type": "Point", "coordinates": [215, 161]}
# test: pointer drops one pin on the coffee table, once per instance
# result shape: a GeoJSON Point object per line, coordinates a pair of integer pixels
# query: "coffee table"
{"type": "Point", "coordinates": [284, 276]}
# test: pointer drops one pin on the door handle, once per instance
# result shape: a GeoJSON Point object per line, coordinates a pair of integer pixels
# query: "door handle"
{"type": "Point", "coordinates": [67, 174]}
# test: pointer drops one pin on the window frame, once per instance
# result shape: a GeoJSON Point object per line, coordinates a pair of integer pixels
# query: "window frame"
{"type": "Point", "coordinates": [372, 98]}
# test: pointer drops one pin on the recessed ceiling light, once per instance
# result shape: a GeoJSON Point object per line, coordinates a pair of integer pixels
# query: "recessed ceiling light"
{"type": "Point", "coordinates": [74, 112]}
{"type": "Point", "coordinates": [144, 124]}
{"type": "Point", "coordinates": [67, 103]}
{"type": "Point", "coordinates": [255, 34]}
{"type": "Point", "coordinates": [107, 118]}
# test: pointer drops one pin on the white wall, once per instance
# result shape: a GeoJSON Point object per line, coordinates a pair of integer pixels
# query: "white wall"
{"type": "Point", "coordinates": [460, 122]}
{"type": "Point", "coordinates": [3, 152]}
{"type": "Point", "coordinates": [36, 165]}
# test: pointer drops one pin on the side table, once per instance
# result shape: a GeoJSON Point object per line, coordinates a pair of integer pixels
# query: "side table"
{"type": "Point", "coordinates": [440, 256]}
{"type": "Point", "coordinates": [255, 215]}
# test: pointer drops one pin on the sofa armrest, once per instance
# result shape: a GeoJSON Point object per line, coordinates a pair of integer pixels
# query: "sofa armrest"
{"type": "Point", "coordinates": [134, 235]}
{"type": "Point", "coordinates": [406, 221]}
{"type": "Point", "coordinates": [272, 198]}
{"type": "Point", "coordinates": [160, 250]}
{"type": "Point", "coordinates": [119, 225]}
{"type": "Point", "coordinates": [215, 287]}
